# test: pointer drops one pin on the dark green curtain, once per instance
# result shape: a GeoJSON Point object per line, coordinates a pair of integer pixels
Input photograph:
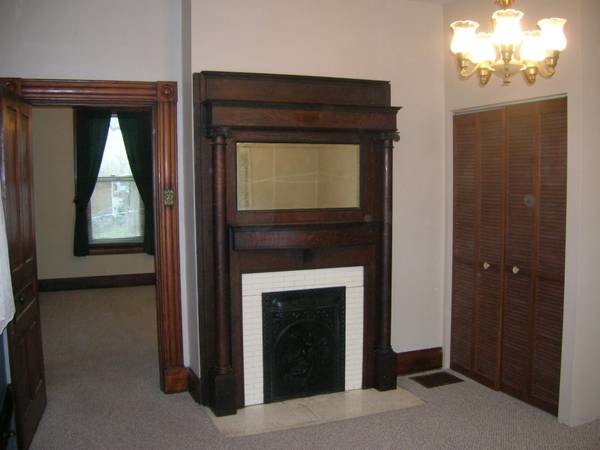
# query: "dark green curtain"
{"type": "Point", "coordinates": [91, 130]}
{"type": "Point", "coordinates": [136, 128]}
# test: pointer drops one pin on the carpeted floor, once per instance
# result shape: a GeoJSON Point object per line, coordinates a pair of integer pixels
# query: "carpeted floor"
{"type": "Point", "coordinates": [102, 380]}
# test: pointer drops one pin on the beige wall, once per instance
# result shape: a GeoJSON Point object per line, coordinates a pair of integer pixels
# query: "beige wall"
{"type": "Point", "coordinates": [579, 398]}
{"type": "Point", "coordinates": [54, 188]}
{"type": "Point", "coordinates": [395, 40]}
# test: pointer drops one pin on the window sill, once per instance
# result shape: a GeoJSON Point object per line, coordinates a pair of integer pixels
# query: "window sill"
{"type": "Point", "coordinates": [116, 248]}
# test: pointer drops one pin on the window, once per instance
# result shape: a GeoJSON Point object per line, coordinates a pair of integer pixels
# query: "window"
{"type": "Point", "coordinates": [116, 211]}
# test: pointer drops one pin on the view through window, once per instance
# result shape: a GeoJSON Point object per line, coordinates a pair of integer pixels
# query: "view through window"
{"type": "Point", "coordinates": [116, 208]}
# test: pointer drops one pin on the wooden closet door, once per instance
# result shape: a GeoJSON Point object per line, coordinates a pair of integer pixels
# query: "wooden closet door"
{"type": "Point", "coordinates": [536, 196]}
{"type": "Point", "coordinates": [520, 246]}
{"type": "Point", "coordinates": [549, 277]}
{"type": "Point", "coordinates": [488, 302]}
{"type": "Point", "coordinates": [478, 244]}
{"type": "Point", "coordinates": [465, 252]}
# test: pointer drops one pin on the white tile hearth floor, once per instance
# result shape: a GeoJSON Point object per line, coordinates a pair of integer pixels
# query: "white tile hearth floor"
{"type": "Point", "coordinates": [315, 410]}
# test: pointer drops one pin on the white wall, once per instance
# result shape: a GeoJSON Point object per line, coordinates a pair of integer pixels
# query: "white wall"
{"type": "Point", "coordinates": [579, 397]}
{"type": "Point", "coordinates": [395, 40]}
{"type": "Point", "coordinates": [103, 40]}
{"type": "Point", "coordinates": [186, 159]}
{"type": "Point", "coordinates": [585, 401]}
{"type": "Point", "coordinates": [54, 190]}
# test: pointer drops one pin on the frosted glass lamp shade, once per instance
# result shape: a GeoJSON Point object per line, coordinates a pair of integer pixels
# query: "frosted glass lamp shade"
{"type": "Point", "coordinates": [507, 27]}
{"type": "Point", "coordinates": [533, 48]}
{"type": "Point", "coordinates": [463, 39]}
{"type": "Point", "coordinates": [483, 50]}
{"type": "Point", "coordinates": [553, 34]}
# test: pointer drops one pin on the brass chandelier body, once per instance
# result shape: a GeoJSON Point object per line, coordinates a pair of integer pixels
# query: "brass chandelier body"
{"type": "Point", "coordinates": [508, 50]}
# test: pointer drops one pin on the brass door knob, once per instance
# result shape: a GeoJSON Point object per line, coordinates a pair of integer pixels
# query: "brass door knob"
{"type": "Point", "coordinates": [486, 265]}
{"type": "Point", "coordinates": [515, 270]}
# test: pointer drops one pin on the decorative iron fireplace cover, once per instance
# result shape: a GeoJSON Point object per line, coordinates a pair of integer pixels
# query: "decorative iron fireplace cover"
{"type": "Point", "coordinates": [304, 342]}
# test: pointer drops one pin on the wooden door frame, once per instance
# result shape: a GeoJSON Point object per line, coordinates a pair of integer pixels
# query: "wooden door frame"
{"type": "Point", "coordinates": [161, 96]}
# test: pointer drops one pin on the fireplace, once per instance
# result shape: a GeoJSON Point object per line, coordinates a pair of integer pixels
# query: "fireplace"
{"type": "Point", "coordinates": [293, 192]}
{"type": "Point", "coordinates": [303, 342]}
{"type": "Point", "coordinates": [277, 286]}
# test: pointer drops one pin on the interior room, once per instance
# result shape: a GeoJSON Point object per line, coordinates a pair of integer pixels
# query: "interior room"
{"type": "Point", "coordinates": [298, 148]}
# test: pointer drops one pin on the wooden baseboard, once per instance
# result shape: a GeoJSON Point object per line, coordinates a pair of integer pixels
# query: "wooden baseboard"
{"type": "Point", "coordinates": [194, 386]}
{"type": "Point", "coordinates": [176, 380]}
{"type": "Point", "coordinates": [108, 281]}
{"type": "Point", "coordinates": [419, 360]}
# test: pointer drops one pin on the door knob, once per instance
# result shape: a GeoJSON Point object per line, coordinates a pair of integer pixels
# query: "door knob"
{"type": "Point", "coordinates": [21, 299]}
{"type": "Point", "coordinates": [515, 269]}
{"type": "Point", "coordinates": [486, 265]}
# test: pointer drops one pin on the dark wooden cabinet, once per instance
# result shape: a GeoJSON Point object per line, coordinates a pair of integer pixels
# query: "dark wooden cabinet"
{"type": "Point", "coordinates": [25, 339]}
{"type": "Point", "coordinates": [509, 248]}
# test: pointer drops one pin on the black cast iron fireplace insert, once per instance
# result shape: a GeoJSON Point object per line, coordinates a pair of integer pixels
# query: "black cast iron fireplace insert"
{"type": "Point", "coordinates": [304, 342]}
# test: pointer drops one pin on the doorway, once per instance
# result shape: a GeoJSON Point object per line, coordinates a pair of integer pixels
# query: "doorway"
{"type": "Point", "coordinates": [160, 98]}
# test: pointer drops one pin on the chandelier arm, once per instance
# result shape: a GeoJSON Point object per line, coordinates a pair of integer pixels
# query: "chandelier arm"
{"type": "Point", "coordinates": [467, 69]}
{"type": "Point", "coordinates": [505, 3]}
{"type": "Point", "coordinates": [545, 71]}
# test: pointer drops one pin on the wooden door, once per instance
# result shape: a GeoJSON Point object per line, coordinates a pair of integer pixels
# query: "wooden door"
{"type": "Point", "coordinates": [25, 340]}
{"type": "Point", "coordinates": [509, 248]}
{"type": "Point", "coordinates": [478, 244]}
{"type": "Point", "coordinates": [491, 213]}
{"type": "Point", "coordinates": [535, 252]}
{"type": "Point", "coordinates": [465, 252]}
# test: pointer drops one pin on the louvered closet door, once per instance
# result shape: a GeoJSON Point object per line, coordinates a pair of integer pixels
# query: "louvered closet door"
{"type": "Point", "coordinates": [509, 248]}
{"type": "Point", "coordinates": [549, 280]}
{"type": "Point", "coordinates": [478, 243]}
{"type": "Point", "coordinates": [488, 304]}
{"type": "Point", "coordinates": [465, 254]}
{"type": "Point", "coordinates": [520, 239]}
{"type": "Point", "coordinates": [532, 325]}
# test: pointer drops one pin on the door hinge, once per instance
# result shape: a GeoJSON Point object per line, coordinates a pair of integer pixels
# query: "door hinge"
{"type": "Point", "coordinates": [169, 197]}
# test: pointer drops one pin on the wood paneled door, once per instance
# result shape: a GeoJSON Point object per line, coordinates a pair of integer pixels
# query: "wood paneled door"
{"type": "Point", "coordinates": [509, 248]}
{"type": "Point", "coordinates": [24, 332]}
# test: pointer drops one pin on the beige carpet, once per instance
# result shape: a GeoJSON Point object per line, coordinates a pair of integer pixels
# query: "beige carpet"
{"type": "Point", "coordinates": [102, 379]}
{"type": "Point", "coordinates": [315, 410]}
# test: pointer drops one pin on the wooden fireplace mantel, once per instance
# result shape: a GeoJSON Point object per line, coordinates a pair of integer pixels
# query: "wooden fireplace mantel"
{"type": "Point", "coordinates": [241, 107]}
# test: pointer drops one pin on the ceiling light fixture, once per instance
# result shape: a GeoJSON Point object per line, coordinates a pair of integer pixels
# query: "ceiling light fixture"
{"type": "Point", "coordinates": [508, 50]}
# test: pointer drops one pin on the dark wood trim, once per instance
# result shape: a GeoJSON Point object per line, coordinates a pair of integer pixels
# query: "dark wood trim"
{"type": "Point", "coordinates": [106, 281]}
{"type": "Point", "coordinates": [161, 97]}
{"type": "Point", "coordinates": [114, 248]}
{"type": "Point", "coordinates": [222, 373]}
{"type": "Point", "coordinates": [419, 360]}
{"type": "Point", "coordinates": [369, 160]}
{"type": "Point", "coordinates": [194, 386]}
{"type": "Point", "coordinates": [385, 373]}
{"type": "Point", "coordinates": [272, 238]}
{"type": "Point", "coordinates": [304, 116]}
{"type": "Point", "coordinates": [290, 88]}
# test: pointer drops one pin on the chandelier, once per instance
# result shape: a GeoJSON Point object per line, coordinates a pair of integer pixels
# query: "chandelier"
{"type": "Point", "coordinates": [508, 50]}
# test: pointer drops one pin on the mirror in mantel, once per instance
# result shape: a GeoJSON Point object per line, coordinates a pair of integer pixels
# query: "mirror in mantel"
{"type": "Point", "coordinates": [276, 176]}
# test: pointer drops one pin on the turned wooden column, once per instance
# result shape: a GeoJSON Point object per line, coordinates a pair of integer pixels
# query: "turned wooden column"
{"type": "Point", "coordinates": [223, 379]}
{"type": "Point", "coordinates": [385, 357]}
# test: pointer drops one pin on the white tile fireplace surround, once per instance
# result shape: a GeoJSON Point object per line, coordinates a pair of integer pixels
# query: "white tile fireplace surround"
{"type": "Point", "coordinates": [255, 284]}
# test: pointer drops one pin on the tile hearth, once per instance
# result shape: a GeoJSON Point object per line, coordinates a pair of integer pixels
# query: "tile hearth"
{"type": "Point", "coordinates": [315, 410]}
